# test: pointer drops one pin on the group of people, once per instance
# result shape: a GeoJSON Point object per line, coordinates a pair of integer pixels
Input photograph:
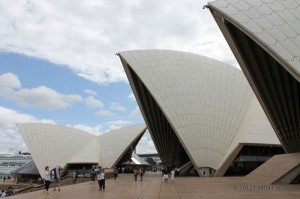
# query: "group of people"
{"type": "Point", "coordinates": [137, 172]}
{"type": "Point", "coordinates": [166, 174]}
{"type": "Point", "coordinates": [100, 173]}
{"type": "Point", "coordinates": [52, 174]}
{"type": "Point", "coordinates": [8, 192]}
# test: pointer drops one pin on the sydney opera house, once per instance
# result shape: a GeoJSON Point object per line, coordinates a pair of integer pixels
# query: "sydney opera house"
{"type": "Point", "coordinates": [264, 37]}
{"type": "Point", "coordinates": [68, 147]}
{"type": "Point", "coordinates": [202, 114]}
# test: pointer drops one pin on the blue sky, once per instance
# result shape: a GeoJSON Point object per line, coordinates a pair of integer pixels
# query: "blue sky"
{"type": "Point", "coordinates": [58, 60]}
{"type": "Point", "coordinates": [114, 101]}
{"type": "Point", "coordinates": [96, 108]}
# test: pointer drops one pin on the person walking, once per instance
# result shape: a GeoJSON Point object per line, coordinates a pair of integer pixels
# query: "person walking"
{"type": "Point", "coordinates": [47, 179]}
{"type": "Point", "coordinates": [83, 171]}
{"type": "Point", "coordinates": [135, 174]}
{"type": "Point", "coordinates": [115, 173]}
{"type": "Point", "coordinates": [166, 175]}
{"type": "Point", "coordinates": [141, 174]}
{"type": "Point", "coordinates": [101, 180]}
{"type": "Point", "coordinates": [56, 173]}
{"type": "Point", "coordinates": [93, 176]}
{"type": "Point", "coordinates": [172, 175]}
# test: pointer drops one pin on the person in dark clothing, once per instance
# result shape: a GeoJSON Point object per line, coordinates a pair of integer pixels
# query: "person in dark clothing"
{"type": "Point", "coordinates": [47, 179]}
{"type": "Point", "coordinates": [101, 180]}
{"type": "Point", "coordinates": [56, 174]}
{"type": "Point", "coordinates": [115, 173]}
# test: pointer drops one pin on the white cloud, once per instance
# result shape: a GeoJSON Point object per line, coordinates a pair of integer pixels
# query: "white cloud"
{"type": "Point", "coordinates": [9, 82]}
{"type": "Point", "coordinates": [85, 35]}
{"type": "Point", "coordinates": [93, 103]}
{"type": "Point", "coordinates": [104, 112]}
{"type": "Point", "coordinates": [10, 137]}
{"type": "Point", "coordinates": [39, 97]}
{"type": "Point", "coordinates": [90, 92]}
{"type": "Point", "coordinates": [8, 117]}
{"type": "Point", "coordinates": [136, 112]}
{"type": "Point", "coordinates": [45, 98]}
{"type": "Point", "coordinates": [117, 107]}
{"type": "Point", "coordinates": [146, 145]}
{"type": "Point", "coordinates": [117, 124]}
{"type": "Point", "coordinates": [96, 130]}
{"type": "Point", "coordinates": [131, 97]}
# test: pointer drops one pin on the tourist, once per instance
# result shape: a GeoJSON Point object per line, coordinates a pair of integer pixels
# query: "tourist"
{"type": "Point", "coordinates": [3, 194]}
{"type": "Point", "coordinates": [135, 174]}
{"type": "Point", "coordinates": [93, 175]}
{"type": "Point", "coordinates": [10, 191]}
{"type": "Point", "coordinates": [101, 180]}
{"type": "Point", "coordinates": [47, 179]}
{"type": "Point", "coordinates": [74, 176]}
{"type": "Point", "coordinates": [173, 175]}
{"type": "Point", "coordinates": [177, 172]}
{"type": "Point", "coordinates": [56, 173]}
{"type": "Point", "coordinates": [83, 171]}
{"type": "Point", "coordinates": [162, 174]}
{"type": "Point", "coordinates": [141, 174]}
{"type": "Point", "coordinates": [166, 175]}
{"type": "Point", "coordinates": [115, 173]}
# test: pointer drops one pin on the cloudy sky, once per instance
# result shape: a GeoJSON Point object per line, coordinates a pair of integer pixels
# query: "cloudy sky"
{"type": "Point", "coordinates": [58, 60]}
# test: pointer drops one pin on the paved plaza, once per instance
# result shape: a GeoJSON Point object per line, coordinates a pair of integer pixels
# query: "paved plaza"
{"type": "Point", "coordinates": [184, 188]}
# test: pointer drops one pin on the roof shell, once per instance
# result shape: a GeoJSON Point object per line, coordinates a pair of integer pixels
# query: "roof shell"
{"type": "Point", "coordinates": [204, 100]}
{"type": "Point", "coordinates": [273, 24]}
{"type": "Point", "coordinates": [52, 145]}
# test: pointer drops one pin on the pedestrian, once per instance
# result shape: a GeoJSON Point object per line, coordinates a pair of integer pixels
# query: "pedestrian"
{"type": "Point", "coordinates": [3, 194]}
{"type": "Point", "coordinates": [47, 179]}
{"type": "Point", "coordinates": [98, 169]}
{"type": "Point", "coordinates": [93, 175]}
{"type": "Point", "coordinates": [101, 180]}
{"type": "Point", "coordinates": [56, 175]}
{"type": "Point", "coordinates": [162, 174]}
{"type": "Point", "coordinates": [115, 173]}
{"type": "Point", "coordinates": [177, 172]}
{"type": "Point", "coordinates": [135, 174]}
{"type": "Point", "coordinates": [10, 191]}
{"type": "Point", "coordinates": [74, 176]}
{"type": "Point", "coordinates": [83, 171]}
{"type": "Point", "coordinates": [172, 175]}
{"type": "Point", "coordinates": [141, 174]}
{"type": "Point", "coordinates": [166, 175]}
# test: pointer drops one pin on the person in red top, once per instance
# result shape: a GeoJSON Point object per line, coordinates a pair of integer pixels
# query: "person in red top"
{"type": "Point", "coordinates": [135, 173]}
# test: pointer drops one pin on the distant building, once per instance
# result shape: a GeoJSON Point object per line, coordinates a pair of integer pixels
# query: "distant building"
{"type": "Point", "coordinates": [68, 147]}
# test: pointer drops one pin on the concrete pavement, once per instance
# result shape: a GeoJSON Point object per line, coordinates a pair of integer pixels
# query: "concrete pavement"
{"type": "Point", "coordinates": [184, 188]}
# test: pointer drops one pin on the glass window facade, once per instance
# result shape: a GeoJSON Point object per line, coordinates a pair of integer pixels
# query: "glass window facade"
{"type": "Point", "coordinates": [251, 157]}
